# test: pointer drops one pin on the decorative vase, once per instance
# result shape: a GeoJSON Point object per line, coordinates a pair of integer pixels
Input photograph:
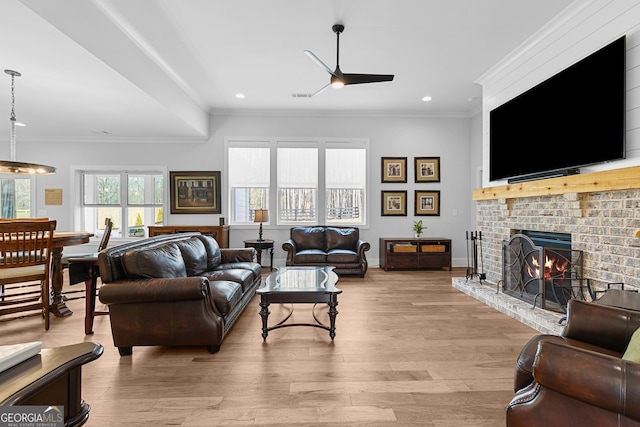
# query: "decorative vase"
{"type": "Point", "coordinates": [417, 235]}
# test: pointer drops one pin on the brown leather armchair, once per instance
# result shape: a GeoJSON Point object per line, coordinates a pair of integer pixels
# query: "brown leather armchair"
{"type": "Point", "coordinates": [579, 377]}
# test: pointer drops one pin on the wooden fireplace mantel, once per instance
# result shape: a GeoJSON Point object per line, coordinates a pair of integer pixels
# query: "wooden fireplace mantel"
{"type": "Point", "coordinates": [615, 179]}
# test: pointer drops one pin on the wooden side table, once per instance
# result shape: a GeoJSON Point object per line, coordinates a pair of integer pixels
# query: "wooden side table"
{"type": "Point", "coordinates": [259, 246]}
{"type": "Point", "coordinates": [51, 378]}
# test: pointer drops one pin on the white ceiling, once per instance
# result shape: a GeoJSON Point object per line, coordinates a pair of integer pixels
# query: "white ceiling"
{"type": "Point", "coordinates": [157, 68]}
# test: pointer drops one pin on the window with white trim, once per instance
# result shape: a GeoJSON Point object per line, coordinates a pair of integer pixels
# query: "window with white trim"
{"type": "Point", "coordinates": [15, 197]}
{"type": "Point", "coordinates": [314, 181]}
{"type": "Point", "coordinates": [133, 200]}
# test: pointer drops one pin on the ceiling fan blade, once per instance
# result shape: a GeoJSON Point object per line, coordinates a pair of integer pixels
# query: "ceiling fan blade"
{"type": "Point", "coordinates": [318, 61]}
{"type": "Point", "coordinates": [354, 79]}
{"type": "Point", "coordinates": [319, 91]}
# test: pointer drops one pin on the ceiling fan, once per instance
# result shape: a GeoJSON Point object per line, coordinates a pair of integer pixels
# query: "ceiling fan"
{"type": "Point", "coordinates": [338, 78]}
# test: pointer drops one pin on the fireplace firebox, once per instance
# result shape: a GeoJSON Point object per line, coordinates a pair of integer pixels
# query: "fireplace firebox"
{"type": "Point", "coordinates": [540, 267]}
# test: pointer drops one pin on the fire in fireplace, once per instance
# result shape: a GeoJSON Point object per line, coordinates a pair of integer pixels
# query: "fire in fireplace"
{"type": "Point", "coordinates": [541, 266]}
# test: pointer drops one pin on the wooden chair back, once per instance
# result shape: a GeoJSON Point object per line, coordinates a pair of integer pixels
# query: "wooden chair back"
{"type": "Point", "coordinates": [25, 256]}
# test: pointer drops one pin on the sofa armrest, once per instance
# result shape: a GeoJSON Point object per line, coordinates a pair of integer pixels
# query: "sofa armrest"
{"type": "Point", "coordinates": [596, 379]}
{"type": "Point", "coordinates": [362, 247]}
{"type": "Point", "coordinates": [230, 255]}
{"type": "Point", "coordinates": [290, 248]}
{"type": "Point", "coordinates": [600, 325]}
{"type": "Point", "coordinates": [154, 290]}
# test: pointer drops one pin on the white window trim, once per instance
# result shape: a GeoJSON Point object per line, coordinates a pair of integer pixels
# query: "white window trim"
{"type": "Point", "coordinates": [273, 143]}
{"type": "Point", "coordinates": [75, 185]}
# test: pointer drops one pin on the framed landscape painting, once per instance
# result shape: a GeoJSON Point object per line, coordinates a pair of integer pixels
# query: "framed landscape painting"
{"type": "Point", "coordinates": [394, 203]}
{"type": "Point", "coordinates": [427, 169]}
{"type": "Point", "coordinates": [394, 169]}
{"type": "Point", "coordinates": [195, 192]}
{"type": "Point", "coordinates": [427, 203]}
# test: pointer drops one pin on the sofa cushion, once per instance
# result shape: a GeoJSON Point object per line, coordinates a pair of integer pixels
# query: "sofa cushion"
{"type": "Point", "coordinates": [254, 267]}
{"type": "Point", "coordinates": [308, 238]}
{"type": "Point", "coordinates": [341, 238]}
{"type": "Point", "coordinates": [214, 258]}
{"type": "Point", "coordinates": [342, 256]}
{"type": "Point", "coordinates": [226, 295]}
{"type": "Point", "coordinates": [240, 276]}
{"type": "Point", "coordinates": [158, 261]}
{"type": "Point", "coordinates": [194, 255]}
{"type": "Point", "coordinates": [311, 256]}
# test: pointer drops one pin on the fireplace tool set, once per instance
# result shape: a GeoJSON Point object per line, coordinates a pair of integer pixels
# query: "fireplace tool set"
{"type": "Point", "coordinates": [474, 246]}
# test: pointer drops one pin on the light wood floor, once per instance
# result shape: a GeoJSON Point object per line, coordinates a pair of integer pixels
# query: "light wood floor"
{"type": "Point", "coordinates": [410, 350]}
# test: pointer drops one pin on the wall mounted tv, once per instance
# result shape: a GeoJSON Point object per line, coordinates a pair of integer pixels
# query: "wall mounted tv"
{"type": "Point", "coordinates": [575, 118]}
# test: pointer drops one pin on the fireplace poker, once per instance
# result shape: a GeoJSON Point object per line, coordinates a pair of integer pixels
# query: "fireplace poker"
{"type": "Point", "coordinates": [482, 276]}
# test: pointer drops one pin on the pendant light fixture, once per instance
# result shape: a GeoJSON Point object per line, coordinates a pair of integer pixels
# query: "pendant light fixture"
{"type": "Point", "coordinates": [13, 166]}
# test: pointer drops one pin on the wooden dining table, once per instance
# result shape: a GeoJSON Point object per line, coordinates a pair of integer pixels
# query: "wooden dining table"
{"type": "Point", "coordinates": [60, 240]}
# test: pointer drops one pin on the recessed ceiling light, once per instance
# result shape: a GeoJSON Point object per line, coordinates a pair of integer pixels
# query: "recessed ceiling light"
{"type": "Point", "coordinates": [426, 98]}
{"type": "Point", "coordinates": [240, 95]}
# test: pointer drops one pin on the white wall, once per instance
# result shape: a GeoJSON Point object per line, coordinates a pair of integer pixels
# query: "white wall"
{"type": "Point", "coordinates": [577, 32]}
{"type": "Point", "coordinates": [447, 138]}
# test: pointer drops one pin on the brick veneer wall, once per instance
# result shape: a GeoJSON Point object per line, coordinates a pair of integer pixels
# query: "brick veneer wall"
{"type": "Point", "coordinates": [603, 225]}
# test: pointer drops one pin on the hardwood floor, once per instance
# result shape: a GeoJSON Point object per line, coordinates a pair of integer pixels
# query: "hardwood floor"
{"type": "Point", "coordinates": [410, 350]}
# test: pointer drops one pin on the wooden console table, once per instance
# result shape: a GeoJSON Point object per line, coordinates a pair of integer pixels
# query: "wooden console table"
{"type": "Point", "coordinates": [218, 232]}
{"type": "Point", "coordinates": [51, 378]}
{"type": "Point", "coordinates": [399, 253]}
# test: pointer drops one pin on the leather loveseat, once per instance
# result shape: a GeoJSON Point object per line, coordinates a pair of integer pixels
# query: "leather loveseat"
{"type": "Point", "coordinates": [176, 289]}
{"type": "Point", "coordinates": [579, 378]}
{"type": "Point", "coordinates": [340, 247]}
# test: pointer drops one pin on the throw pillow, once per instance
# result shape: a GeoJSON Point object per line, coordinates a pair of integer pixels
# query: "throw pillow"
{"type": "Point", "coordinates": [633, 349]}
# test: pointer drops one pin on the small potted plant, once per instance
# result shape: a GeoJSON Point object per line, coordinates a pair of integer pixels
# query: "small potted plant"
{"type": "Point", "coordinates": [417, 229]}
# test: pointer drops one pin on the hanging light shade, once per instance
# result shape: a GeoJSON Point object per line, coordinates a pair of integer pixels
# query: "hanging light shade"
{"type": "Point", "coordinates": [13, 166]}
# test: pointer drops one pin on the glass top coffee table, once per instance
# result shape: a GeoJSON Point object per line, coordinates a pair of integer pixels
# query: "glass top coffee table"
{"type": "Point", "coordinates": [300, 285]}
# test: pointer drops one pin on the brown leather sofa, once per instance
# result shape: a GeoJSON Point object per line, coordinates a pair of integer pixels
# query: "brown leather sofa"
{"type": "Point", "coordinates": [176, 289]}
{"type": "Point", "coordinates": [340, 247]}
{"type": "Point", "coordinates": [579, 377]}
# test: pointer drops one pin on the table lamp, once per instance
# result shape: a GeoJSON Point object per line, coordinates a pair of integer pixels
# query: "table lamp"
{"type": "Point", "coordinates": [261, 215]}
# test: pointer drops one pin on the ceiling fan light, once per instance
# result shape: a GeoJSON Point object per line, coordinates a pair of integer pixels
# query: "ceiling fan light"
{"type": "Point", "coordinates": [336, 82]}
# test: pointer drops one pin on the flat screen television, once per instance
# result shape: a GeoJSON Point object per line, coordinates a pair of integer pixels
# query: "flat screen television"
{"type": "Point", "coordinates": [575, 118]}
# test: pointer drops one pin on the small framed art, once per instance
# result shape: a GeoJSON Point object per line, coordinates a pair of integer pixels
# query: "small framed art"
{"type": "Point", "coordinates": [394, 203]}
{"type": "Point", "coordinates": [427, 203]}
{"type": "Point", "coordinates": [427, 169]}
{"type": "Point", "coordinates": [394, 169]}
{"type": "Point", "coordinates": [195, 192]}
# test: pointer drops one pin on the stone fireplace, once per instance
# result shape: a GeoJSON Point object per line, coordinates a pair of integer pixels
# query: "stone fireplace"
{"type": "Point", "coordinates": [600, 211]}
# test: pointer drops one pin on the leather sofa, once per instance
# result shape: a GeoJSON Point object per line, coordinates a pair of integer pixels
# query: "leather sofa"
{"type": "Point", "coordinates": [340, 247]}
{"type": "Point", "coordinates": [579, 377]}
{"type": "Point", "coordinates": [175, 289]}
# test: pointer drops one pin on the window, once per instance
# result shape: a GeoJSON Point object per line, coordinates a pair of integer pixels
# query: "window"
{"type": "Point", "coordinates": [249, 171]}
{"type": "Point", "coordinates": [15, 197]}
{"type": "Point", "coordinates": [315, 181]}
{"type": "Point", "coordinates": [133, 200]}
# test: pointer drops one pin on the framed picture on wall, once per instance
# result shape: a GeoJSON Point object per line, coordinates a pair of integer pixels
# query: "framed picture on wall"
{"type": "Point", "coordinates": [195, 192]}
{"type": "Point", "coordinates": [394, 169]}
{"type": "Point", "coordinates": [394, 203]}
{"type": "Point", "coordinates": [427, 169]}
{"type": "Point", "coordinates": [427, 203]}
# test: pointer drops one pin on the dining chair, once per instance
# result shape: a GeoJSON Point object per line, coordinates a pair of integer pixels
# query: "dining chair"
{"type": "Point", "coordinates": [25, 258]}
{"type": "Point", "coordinates": [84, 268]}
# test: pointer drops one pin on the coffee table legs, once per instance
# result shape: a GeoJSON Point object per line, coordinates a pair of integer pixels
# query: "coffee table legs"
{"type": "Point", "coordinates": [264, 313]}
{"type": "Point", "coordinates": [333, 312]}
